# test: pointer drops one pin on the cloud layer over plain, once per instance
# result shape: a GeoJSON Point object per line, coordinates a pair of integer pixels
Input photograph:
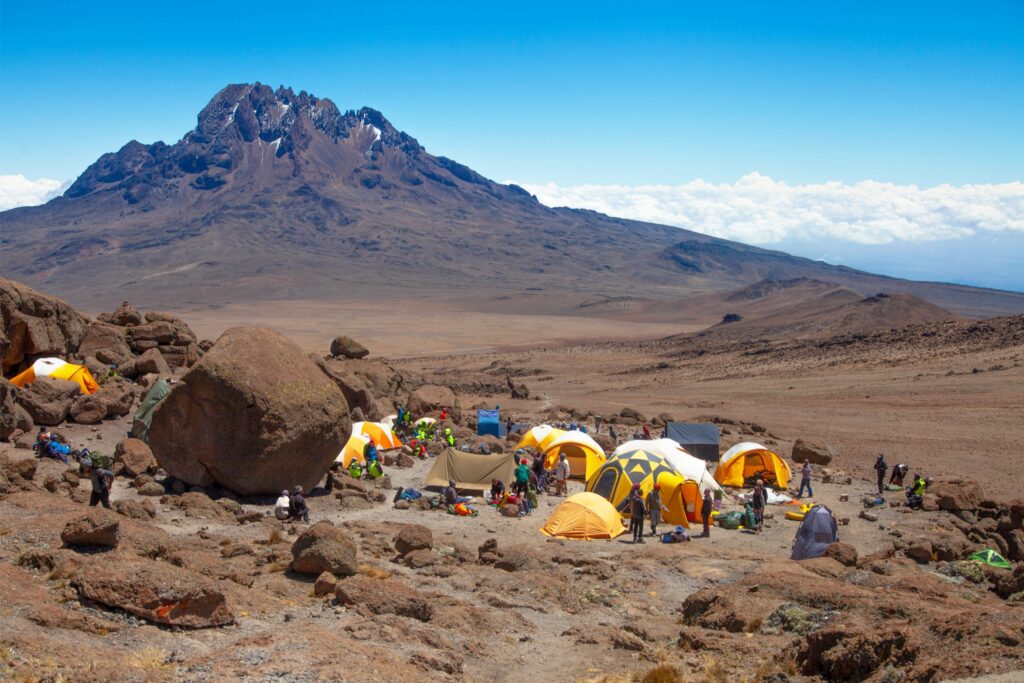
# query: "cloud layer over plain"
{"type": "Point", "coordinates": [760, 210]}
{"type": "Point", "coordinates": [17, 190]}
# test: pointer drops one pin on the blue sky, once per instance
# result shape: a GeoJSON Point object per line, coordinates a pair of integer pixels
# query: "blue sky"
{"type": "Point", "coordinates": [592, 93]}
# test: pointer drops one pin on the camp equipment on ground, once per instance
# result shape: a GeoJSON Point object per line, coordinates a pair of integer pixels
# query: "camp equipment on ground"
{"type": "Point", "coordinates": [743, 461]}
{"type": "Point", "coordinates": [584, 516]}
{"type": "Point", "coordinates": [56, 368]}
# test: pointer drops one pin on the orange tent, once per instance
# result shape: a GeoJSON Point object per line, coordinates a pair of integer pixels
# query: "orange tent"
{"type": "Point", "coordinates": [58, 369]}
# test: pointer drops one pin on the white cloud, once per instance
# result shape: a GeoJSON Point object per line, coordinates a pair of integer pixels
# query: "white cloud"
{"type": "Point", "coordinates": [17, 190]}
{"type": "Point", "coordinates": [760, 210]}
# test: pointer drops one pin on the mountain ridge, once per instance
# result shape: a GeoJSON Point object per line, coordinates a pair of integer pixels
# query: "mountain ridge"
{"type": "Point", "coordinates": [280, 196]}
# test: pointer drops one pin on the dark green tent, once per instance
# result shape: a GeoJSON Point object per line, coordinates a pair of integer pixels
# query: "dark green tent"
{"type": "Point", "coordinates": [144, 414]}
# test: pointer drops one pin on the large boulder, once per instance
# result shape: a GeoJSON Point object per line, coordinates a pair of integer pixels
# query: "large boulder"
{"type": "Point", "coordinates": [150, 361]}
{"type": "Point", "coordinates": [49, 400]}
{"type": "Point", "coordinates": [955, 493]}
{"type": "Point", "coordinates": [348, 348]}
{"type": "Point", "coordinates": [106, 342]}
{"type": "Point", "coordinates": [123, 315]}
{"type": "Point", "coordinates": [155, 591]}
{"type": "Point", "coordinates": [413, 537]}
{"type": "Point", "coordinates": [386, 596]}
{"type": "Point", "coordinates": [254, 415]}
{"type": "Point", "coordinates": [88, 409]}
{"type": "Point", "coordinates": [135, 456]}
{"type": "Point", "coordinates": [8, 419]}
{"type": "Point", "coordinates": [804, 450]}
{"type": "Point", "coordinates": [33, 325]}
{"type": "Point", "coordinates": [98, 528]}
{"type": "Point", "coordinates": [431, 397]}
{"type": "Point", "coordinates": [118, 396]}
{"type": "Point", "coordinates": [324, 548]}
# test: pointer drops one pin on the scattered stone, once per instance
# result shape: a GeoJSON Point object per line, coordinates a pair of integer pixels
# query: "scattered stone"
{"type": "Point", "coordinates": [324, 548]}
{"type": "Point", "coordinates": [99, 528]}
{"type": "Point", "coordinates": [869, 516]}
{"type": "Point", "coordinates": [920, 551]}
{"type": "Point", "coordinates": [325, 584]}
{"type": "Point", "coordinates": [384, 597]}
{"type": "Point", "coordinates": [135, 456]}
{"type": "Point", "coordinates": [151, 489]}
{"type": "Point", "coordinates": [348, 348]}
{"type": "Point", "coordinates": [843, 553]}
{"type": "Point", "coordinates": [413, 537]}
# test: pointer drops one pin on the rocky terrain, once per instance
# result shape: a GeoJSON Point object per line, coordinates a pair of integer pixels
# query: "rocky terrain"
{"type": "Point", "coordinates": [278, 196]}
{"type": "Point", "coordinates": [191, 578]}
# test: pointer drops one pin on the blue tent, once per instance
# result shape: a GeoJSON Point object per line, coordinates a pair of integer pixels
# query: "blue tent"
{"type": "Point", "coordinates": [488, 422]}
{"type": "Point", "coordinates": [817, 532]}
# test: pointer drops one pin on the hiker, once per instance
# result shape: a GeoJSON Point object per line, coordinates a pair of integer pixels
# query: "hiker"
{"type": "Point", "coordinates": [647, 432]}
{"type": "Point", "coordinates": [611, 433]}
{"type": "Point", "coordinates": [400, 417]}
{"type": "Point", "coordinates": [880, 468]}
{"type": "Point", "coordinates": [805, 480]}
{"type": "Point", "coordinates": [705, 513]}
{"type": "Point", "coordinates": [297, 508]}
{"type": "Point", "coordinates": [677, 535]}
{"type": "Point", "coordinates": [449, 438]}
{"type": "Point", "coordinates": [637, 513]}
{"type": "Point", "coordinates": [355, 470]}
{"type": "Point", "coordinates": [654, 508]}
{"type": "Point", "coordinates": [451, 496]}
{"type": "Point", "coordinates": [562, 472]}
{"type": "Point", "coordinates": [282, 505]}
{"type": "Point", "coordinates": [444, 414]}
{"type": "Point", "coordinates": [497, 491]}
{"type": "Point", "coordinates": [919, 485]}
{"type": "Point", "coordinates": [597, 424]}
{"type": "Point", "coordinates": [370, 451]}
{"type": "Point", "coordinates": [757, 502]}
{"type": "Point", "coordinates": [522, 487]}
{"type": "Point", "coordinates": [101, 481]}
{"type": "Point", "coordinates": [898, 473]}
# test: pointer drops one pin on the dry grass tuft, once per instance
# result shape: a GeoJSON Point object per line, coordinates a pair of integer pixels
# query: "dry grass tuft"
{"type": "Point", "coordinates": [663, 673]}
{"type": "Point", "coordinates": [148, 659]}
{"type": "Point", "coordinates": [373, 572]}
{"type": "Point", "coordinates": [714, 671]}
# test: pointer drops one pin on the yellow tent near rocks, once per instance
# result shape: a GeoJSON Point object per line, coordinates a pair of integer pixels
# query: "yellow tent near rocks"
{"type": "Point", "coordinates": [614, 481]}
{"type": "Point", "coordinates": [353, 450]}
{"type": "Point", "coordinates": [58, 369]}
{"type": "Point", "coordinates": [539, 437]}
{"type": "Point", "coordinates": [583, 453]}
{"type": "Point", "coordinates": [379, 432]}
{"type": "Point", "coordinates": [743, 461]}
{"type": "Point", "coordinates": [584, 516]}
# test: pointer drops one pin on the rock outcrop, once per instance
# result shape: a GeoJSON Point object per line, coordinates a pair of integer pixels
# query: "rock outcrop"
{"type": "Point", "coordinates": [35, 325]}
{"type": "Point", "coordinates": [254, 415]}
{"type": "Point", "coordinates": [48, 401]}
{"type": "Point", "coordinates": [348, 347]}
{"type": "Point", "coordinates": [97, 528]}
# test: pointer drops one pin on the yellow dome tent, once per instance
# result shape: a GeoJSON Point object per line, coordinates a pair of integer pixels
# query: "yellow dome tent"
{"type": "Point", "coordinates": [539, 437]}
{"type": "Point", "coordinates": [615, 478]}
{"type": "Point", "coordinates": [379, 432]}
{"type": "Point", "coordinates": [584, 516]}
{"type": "Point", "coordinates": [58, 369]}
{"type": "Point", "coordinates": [743, 461]}
{"type": "Point", "coordinates": [584, 454]}
{"type": "Point", "coordinates": [353, 450]}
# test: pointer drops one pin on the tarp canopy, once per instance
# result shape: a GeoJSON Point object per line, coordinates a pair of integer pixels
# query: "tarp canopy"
{"type": "Point", "coordinates": [584, 516]}
{"type": "Point", "coordinates": [353, 450]}
{"type": "Point", "coordinates": [583, 453]}
{"type": "Point", "coordinates": [379, 432]}
{"type": "Point", "coordinates": [539, 437]}
{"type": "Point", "coordinates": [743, 462]}
{"type": "Point", "coordinates": [488, 422]}
{"type": "Point", "coordinates": [684, 463]}
{"type": "Point", "coordinates": [614, 480]}
{"type": "Point", "coordinates": [817, 531]}
{"type": "Point", "coordinates": [144, 413]}
{"type": "Point", "coordinates": [58, 369]}
{"type": "Point", "coordinates": [699, 439]}
{"type": "Point", "coordinates": [471, 470]}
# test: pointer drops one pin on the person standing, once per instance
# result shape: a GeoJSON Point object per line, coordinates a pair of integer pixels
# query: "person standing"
{"type": "Point", "coordinates": [805, 480]}
{"type": "Point", "coordinates": [757, 502]}
{"type": "Point", "coordinates": [101, 480]}
{"type": "Point", "coordinates": [523, 484]}
{"type": "Point", "coordinates": [637, 513]}
{"type": "Point", "coordinates": [647, 432]}
{"type": "Point", "coordinates": [880, 469]}
{"type": "Point", "coordinates": [562, 475]}
{"type": "Point", "coordinates": [654, 508]}
{"type": "Point", "coordinates": [705, 513]}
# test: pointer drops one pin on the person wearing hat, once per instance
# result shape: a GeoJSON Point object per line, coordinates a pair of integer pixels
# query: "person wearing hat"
{"type": "Point", "coordinates": [281, 507]}
{"type": "Point", "coordinates": [705, 513]}
{"type": "Point", "coordinates": [654, 507]}
{"type": "Point", "coordinates": [101, 481]}
{"type": "Point", "coordinates": [297, 508]}
{"type": "Point", "coordinates": [637, 513]}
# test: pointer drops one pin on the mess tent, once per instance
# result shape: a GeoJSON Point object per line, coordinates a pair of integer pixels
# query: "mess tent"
{"type": "Point", "coordinates": [584, 516]}
{"type": "Point", "coordinates": [470, 470]}
{"type": "Point", "coordinates": [745, 462]}
{"type": "Point", "coordinates": [539, 437]}
{"type": "Point", "coordinates": [615, 478]}
{"type": "Point", "coordinates": [583, 453]}
{"type": "Point", "coordinates": [58, 369]}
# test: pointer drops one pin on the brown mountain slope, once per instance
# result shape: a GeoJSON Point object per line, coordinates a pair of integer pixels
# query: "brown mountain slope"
{"type": "Point", "coordinates": [280, 196]}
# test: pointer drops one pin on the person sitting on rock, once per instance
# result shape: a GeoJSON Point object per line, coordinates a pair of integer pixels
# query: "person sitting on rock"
{"type": "Point", "coordinates": [355, 470]}
{"type": "Point", "coordinates": [282, 506]}
{"type": "Point", "coordinates": [449, 438]}
{"type": "Point", "coordinates": [101, 481]}
{"type": "Point", "coordinates": [297, 509]}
